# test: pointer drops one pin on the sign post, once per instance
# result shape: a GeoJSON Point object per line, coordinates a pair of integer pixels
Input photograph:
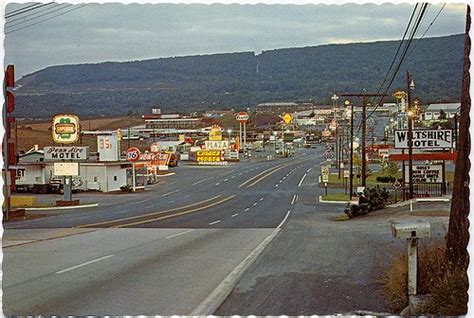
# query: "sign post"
{"type": "Point", "coordinates": [242, 118]}
{"type": "Point", "coordinates": [133, 155]}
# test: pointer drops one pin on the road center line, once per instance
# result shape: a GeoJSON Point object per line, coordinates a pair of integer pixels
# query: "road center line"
{"type": "Point", "coordinates": [217, 183]}
{"type": "Point", "coordinates": [225, 180]}
{"type": "Point", "coordinates": [163, 195]}
{"type": "Point", "coordinates": [201, 181]}
{"type": "Point", "coordinates": [301, 181]}
{"type": "Point", "coordinates": [84, 264]}
{"type": "Point", "coordinates": [261, 199]}
{"type": "Point", "coordinates": [255, 204]}
{"type": "Point", "coordinates": [246, 209]}
{"type": "Point", "coordinates": [234, 215]}
{"type": "Point", "coordinates": [215, 222]}
{"type": "Point", "coordinates": [295, 197]}
{"type": "Point", "coordinates": [178, 234]}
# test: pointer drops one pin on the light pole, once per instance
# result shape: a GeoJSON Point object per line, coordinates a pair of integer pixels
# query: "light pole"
{"type": "Point", "coordinates": [351, 158]}
{"type": "Point", "coordinates": [229, 132]}
{"type": "Point", "coordinates": [411, 86]}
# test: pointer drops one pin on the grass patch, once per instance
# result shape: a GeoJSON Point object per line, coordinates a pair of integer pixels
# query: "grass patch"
{"type": "Point", "coordinates": [335, 197]}
{"type": "Point", "coordinates": [447, 287]}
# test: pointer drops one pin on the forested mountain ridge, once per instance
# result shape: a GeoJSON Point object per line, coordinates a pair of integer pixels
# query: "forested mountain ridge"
{"type": "Point", "coordinates": [240, 80]}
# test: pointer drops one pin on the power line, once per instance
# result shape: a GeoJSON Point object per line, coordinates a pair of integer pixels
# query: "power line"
{"type": "Point", "coordinates": [28, 15]}
{"type": "Point", "coordinates": [27, 26]}
{"type": "Point", "coordinates": [24, 9]}
{"type": "Point", "coordinates": [429, 26]}
{"type": "Point", "coordinates": [414, 28]}
{"type": "Point", "coordinates": [39, 16]}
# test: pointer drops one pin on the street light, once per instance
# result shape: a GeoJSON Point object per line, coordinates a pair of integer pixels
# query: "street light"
{"type": "Point", "coordinates": [351, 175]}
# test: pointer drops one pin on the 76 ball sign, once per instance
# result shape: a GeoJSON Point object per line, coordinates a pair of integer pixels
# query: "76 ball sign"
{"type": "Point", "coordinates": [133, 154]}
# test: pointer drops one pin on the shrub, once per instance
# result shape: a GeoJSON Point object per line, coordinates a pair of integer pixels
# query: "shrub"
{"type": "Point", "coordinates": [371, 200]}
{"type": "Point", "coordinates": [385, 179]}
{"type": "Point", "coordinates": [447, 286]}
{"type": "Point", "coordinates": [125, 188]}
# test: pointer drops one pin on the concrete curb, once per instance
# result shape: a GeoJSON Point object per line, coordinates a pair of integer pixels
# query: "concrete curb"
{"type": "Point", "coordinates": [63, 207]}
{"type": "Point", "coordinates": [336, 202]}
{"type": "Point", "coordinates": [407, 202]}
{"type": "Point", "coordinates": [166, 175]}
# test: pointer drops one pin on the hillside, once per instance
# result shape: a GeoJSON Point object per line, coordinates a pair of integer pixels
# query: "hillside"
{"type": "Point", "coordinates": [239, 79]}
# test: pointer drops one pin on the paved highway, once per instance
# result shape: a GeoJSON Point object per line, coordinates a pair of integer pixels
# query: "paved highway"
{"type": "Point", "coordinates": [172, 249]}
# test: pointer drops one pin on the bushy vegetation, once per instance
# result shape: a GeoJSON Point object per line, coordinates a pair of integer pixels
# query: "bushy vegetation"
{"type": "Point", "coordinates": [446, 285]}
{"type": "Point", "coordinates": [371, 200]}
{"type": "Point", "coordinates": [233, 80]}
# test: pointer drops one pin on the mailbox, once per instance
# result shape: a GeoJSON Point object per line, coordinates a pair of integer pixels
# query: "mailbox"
{"type": "Point", "coordinates": [411, 229]}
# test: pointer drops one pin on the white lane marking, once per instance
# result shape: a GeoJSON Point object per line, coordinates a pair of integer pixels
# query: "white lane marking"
{"type": "Point", "coordinates": [232, 177]}
{"type": "Point", "coordinates": [255, 203]}
{"type": "Point", "coordinates": [295, 197]}
{"type": "Point", "coordinates": [217, 183]}
{"type": "Point", "coordinates": [280, 181]}
{"type": "Point", "coordinates": [178, 234]}
{"type": "Point", "coordinates": [309, 170]}
{"type": "Point", "coordinates": [301, 181]}
{"type": "Point", "coordinates": [225, 180]}
{"type": "Point", "coordinates": [246, 171]}
{"type": "Point", "coordinates": [246, 209]}
{"type": "Point", "coordinates": [284, 178]}
{"type": "Point", "coordinates": [79, 217]}
{"type": "Point", "coordinates": [215, 222]}
{"type": "Point", "coordinates": [84, 264]}
{"type": "Point", "coordinates": [201, 181]}
{"type": "Point", "coordinates": [276, 185]}
{"type": "Point", "coordinates": [120, 212]}
{"type": "Point", "coordinates": [137, 202]}
{"type": "Point", "coordinates": [188, 196]}
{"type": "Point", "coordinates": [163, 195]}
{"type": "Point", "coordinates": [149, 206]}
{"type": "Point", "coordinates": [234, 215]}
{"type": "Point", "coordinates": [240, 174]}
{"type": "Point", "coordinates": [261, 199]}
{"type": "Point", "coordinates": [171, 201]}
{"type": "Point", "coordinates": [284, 220]}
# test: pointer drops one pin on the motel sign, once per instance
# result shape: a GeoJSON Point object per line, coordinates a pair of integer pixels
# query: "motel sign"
{"type": "Point", "coordinates": [442, 138]}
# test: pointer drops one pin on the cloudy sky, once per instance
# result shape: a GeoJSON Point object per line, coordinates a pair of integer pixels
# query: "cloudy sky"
{"type": "Point", "coordinates": [94, 33]}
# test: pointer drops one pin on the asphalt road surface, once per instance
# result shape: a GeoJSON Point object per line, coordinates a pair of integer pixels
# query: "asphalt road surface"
{"type": "Point", "coordinates": [162, 251]}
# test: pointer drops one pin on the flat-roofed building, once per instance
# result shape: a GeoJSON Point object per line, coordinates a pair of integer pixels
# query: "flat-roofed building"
{"type": "Point", "coordinates": [434, 111]}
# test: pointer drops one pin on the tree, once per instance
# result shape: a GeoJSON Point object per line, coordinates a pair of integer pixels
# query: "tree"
{"type": "Point", "coordinates": [442, 114]}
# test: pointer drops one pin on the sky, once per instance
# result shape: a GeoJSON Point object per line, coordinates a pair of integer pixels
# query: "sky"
{"type": "Point", "coordinates": [92, 33]}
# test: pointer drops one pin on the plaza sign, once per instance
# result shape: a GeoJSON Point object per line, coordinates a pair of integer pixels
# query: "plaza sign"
{"type": "Point", "coordinates": [442, 138]}
{"type": "Point", "coordinates": [216, 145]}
{"type": "Point", "coordinates": [66, 153]}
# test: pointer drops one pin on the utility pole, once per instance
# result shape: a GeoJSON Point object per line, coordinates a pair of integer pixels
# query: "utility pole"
{"type": "Point", "coordinates": [410, 86]}
{"type": "Point", "coordinates": [364, 97]}
{"type": "Point", "coordinates": [458, 230]}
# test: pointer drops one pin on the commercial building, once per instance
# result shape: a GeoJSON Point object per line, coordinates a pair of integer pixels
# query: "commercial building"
{"type": "Point", "coordinates": [434, 111]}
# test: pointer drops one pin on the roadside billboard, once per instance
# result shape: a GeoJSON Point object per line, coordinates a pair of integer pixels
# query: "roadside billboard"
{"type": "Point", "coordinates": [216, 145]}
{"type": "Point", "coordinates": [65, 153]}
{"type": "Point", "coordinates": [422, 139]}
{"type": "Point", "coordinates": [65, 129]}
{"type": "Point", "coordinates": [425, 174]}
{"type": "Point", "coordinates": [108, 147]}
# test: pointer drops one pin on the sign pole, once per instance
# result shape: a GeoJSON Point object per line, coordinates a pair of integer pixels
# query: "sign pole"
{"type": "Point", "coordinates": [133, 177]}
{"type": "Point", "coordinates": [240, 135]}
